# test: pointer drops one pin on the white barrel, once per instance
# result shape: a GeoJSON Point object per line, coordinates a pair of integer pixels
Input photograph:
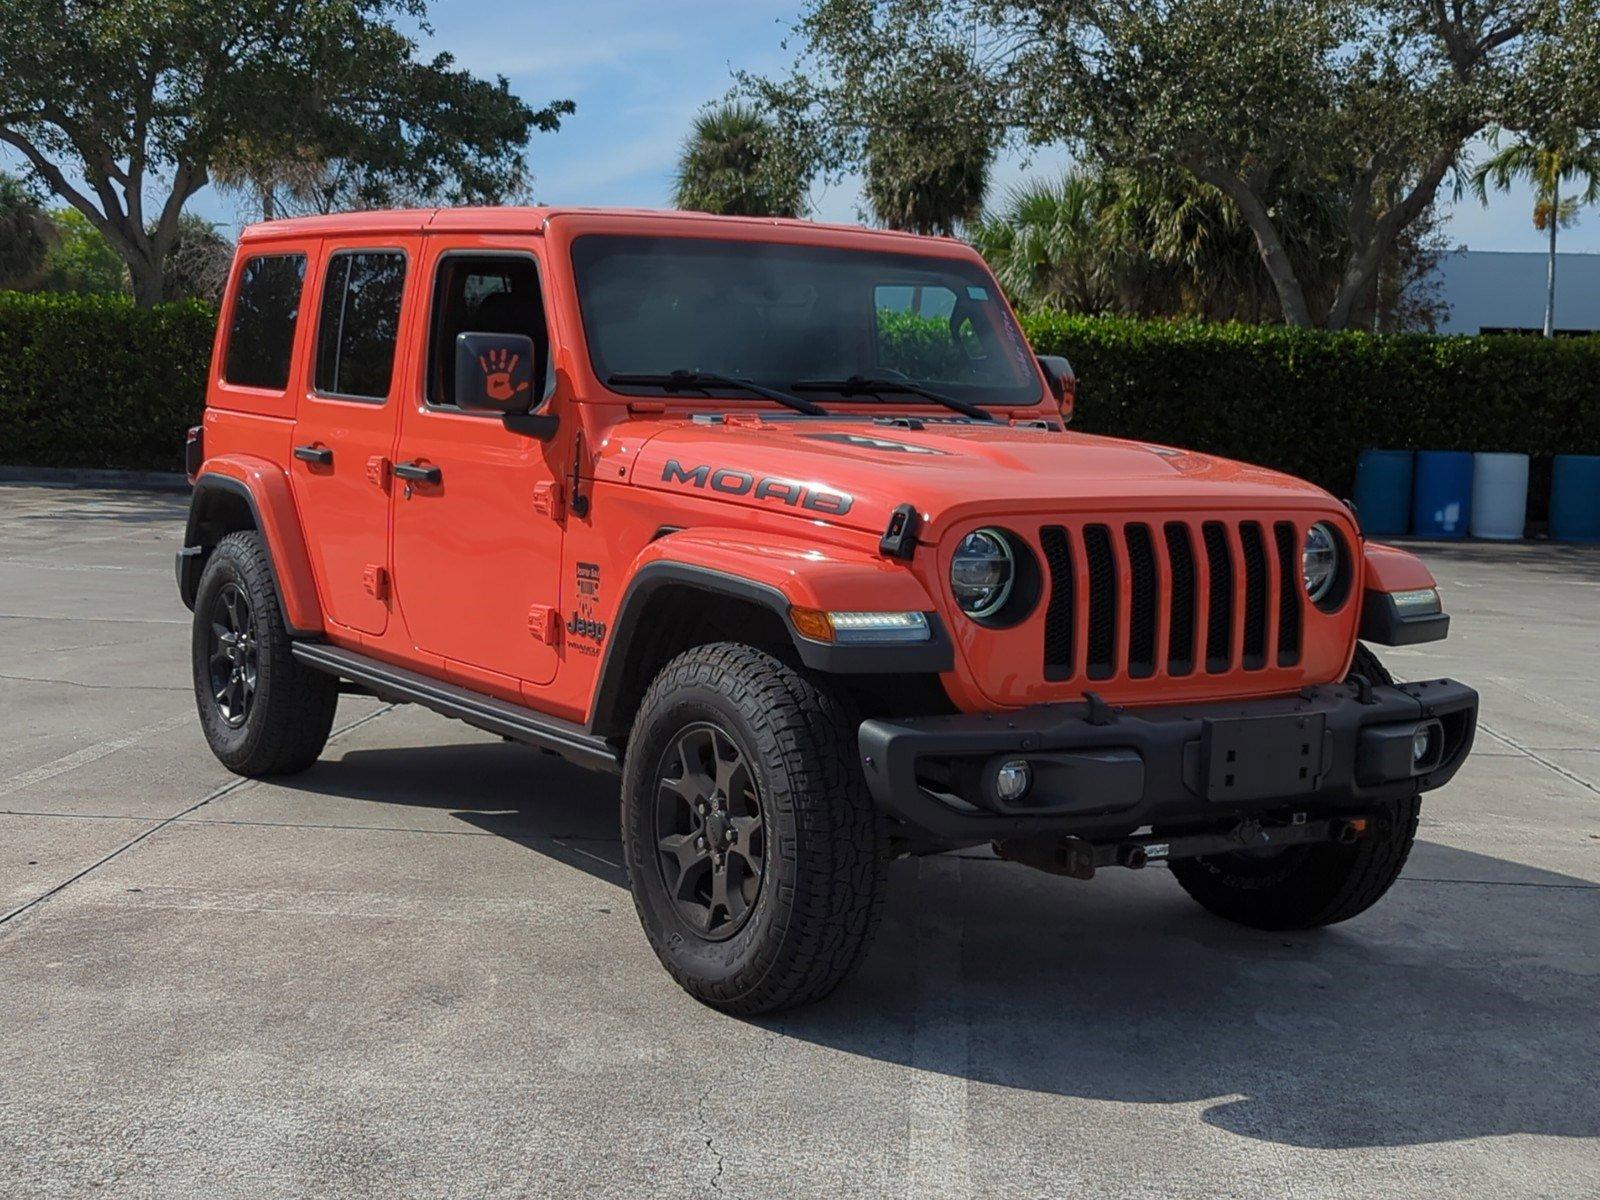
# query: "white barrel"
{"type": "Point", "coordinates": [1499, 496]}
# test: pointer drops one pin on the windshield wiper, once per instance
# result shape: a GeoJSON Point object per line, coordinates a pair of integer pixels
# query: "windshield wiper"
{"type": "Point", "coordinates": [677, 381]}
{"type": "Point", "coordinates": [874, 385]}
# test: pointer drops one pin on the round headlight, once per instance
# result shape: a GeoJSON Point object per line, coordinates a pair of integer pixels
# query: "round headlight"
{"type": "Point", "coordinates": [1319, 562]}
{"type": "Point", "coordinates": [982, 572]}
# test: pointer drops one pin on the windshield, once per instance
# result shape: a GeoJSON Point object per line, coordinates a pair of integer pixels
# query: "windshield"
{"type": "Point", "coordinates": [781, 315]}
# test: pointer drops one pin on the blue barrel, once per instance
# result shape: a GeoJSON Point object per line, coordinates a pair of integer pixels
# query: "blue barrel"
{"type": "Point", "coordinates": [1383, 491]}
{"type": "Point", "coordinates": [1441, 504]}
{"type": "Point", "coordinates": [1575, 498]}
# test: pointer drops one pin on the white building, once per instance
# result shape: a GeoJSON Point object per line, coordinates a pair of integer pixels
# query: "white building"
{"type": "Point", "coordinates": [1503, 291]}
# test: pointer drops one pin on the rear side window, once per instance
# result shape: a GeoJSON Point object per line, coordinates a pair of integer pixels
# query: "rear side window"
{"type": "Point", "coordinates": [266, 305]}
{"type": "Point", "coordinates": [359, 325]}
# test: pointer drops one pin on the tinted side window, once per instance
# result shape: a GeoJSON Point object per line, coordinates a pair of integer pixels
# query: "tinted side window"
{"type": "Point", "coordinates": [266, 305]}
{"type": "Point", "coordinates": [360, 324]}
{"type": "Point", "coordinates": [488, 294]}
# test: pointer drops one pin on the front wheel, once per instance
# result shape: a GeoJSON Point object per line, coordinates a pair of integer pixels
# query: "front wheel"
{"type": "Point", "coordinates": [1304, 887]}
{"type": "Point", "coordinates": [753, 847]}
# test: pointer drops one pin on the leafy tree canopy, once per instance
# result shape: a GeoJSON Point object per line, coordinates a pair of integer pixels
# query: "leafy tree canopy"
{"type": "Point", "coordinates": [81, 259]}
{"type": "Point", "coordinates": [143, 100]}
{"type": "Point", "coordinates": [25, 234]}
{"type": "Point", "coordinates": [1373, 102]}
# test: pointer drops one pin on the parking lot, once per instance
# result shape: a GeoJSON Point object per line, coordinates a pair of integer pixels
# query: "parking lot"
{"type": "Point", "coordinates": [416, 971]}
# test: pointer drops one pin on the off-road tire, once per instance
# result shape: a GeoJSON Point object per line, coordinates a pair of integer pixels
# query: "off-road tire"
{"type": "Point", "coordinates": [1305, 887]}
{"type": "Point", "coordinates": [822, 886]}
{"type": "Point", "coordinates": [288, 718]}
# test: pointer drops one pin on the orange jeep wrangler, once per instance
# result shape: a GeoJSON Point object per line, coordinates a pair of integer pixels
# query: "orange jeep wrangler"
{"type": "Point", "coordinates": [784, 524]}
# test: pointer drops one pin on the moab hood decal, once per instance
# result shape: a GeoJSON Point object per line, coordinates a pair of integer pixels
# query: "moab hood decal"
{"type": "Point", "coordinates": [855, 473]}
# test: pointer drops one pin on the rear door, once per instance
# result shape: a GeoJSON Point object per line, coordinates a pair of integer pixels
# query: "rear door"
{"type": "Point", "coordinates": [345, 430]}
{"type": "Point", "coordinates": [477, 563]}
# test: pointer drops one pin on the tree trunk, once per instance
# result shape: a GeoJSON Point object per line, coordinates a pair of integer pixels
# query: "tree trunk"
{"type": "Point", "coordinates": [1291, 296]}
{"type": "Point", "coordinates": [148, 282]}
{"type": "Point", "coordinates": [1550, 274]}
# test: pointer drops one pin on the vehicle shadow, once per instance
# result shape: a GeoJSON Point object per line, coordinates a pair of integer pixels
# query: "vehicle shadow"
{"type": "Point", "coordinates": [1464, 1005]}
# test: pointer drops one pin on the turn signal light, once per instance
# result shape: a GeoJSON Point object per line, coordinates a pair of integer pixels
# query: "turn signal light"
{"type": "Point", "coordinates": [859, 627]}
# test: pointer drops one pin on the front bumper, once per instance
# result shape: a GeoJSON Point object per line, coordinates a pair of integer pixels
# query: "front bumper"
{"type": "Point", "coordinates": [1099, 771]}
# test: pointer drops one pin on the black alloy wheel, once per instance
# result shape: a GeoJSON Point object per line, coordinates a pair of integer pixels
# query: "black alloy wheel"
{"type": "Point", "coordinates": [231, 655]}
{"type": "Point", "coordinates": [710, 839]}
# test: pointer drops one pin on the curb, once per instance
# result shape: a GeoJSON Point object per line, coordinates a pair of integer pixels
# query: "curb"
{"type": "Point", "coordinates": [143, 481]}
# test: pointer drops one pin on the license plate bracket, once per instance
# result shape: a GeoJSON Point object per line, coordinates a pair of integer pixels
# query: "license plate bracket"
{"type": "Point", "coordinates": [1261, 758]}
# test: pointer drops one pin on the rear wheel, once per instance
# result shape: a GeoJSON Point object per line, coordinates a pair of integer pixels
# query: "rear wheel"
{"type": "Point", "coordinates": [263, 713]}
{"type": "Point", "coordinates": [1303, 887]}
{"type": "Point", "coordinates": [753, 847]}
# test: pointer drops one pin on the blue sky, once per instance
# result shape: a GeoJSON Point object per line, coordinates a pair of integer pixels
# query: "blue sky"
{"type": "Point", "coordinates": [639, 70]}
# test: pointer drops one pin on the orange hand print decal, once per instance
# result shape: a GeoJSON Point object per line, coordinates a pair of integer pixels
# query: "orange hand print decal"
{"type": "Point", "coordinates": [498, 367]}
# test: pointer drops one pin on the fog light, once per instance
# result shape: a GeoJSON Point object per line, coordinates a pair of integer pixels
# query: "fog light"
{"type": "Point", "coordinates": [1421, 745]}
{"type": "Point", "coordinates": [1012, 780]}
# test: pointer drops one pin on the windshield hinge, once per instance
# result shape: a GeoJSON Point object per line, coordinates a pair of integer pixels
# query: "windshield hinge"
{"type": "Point", "coordinates": [900, 538]}
{"type": "Point", "coordinates": [579, 504]}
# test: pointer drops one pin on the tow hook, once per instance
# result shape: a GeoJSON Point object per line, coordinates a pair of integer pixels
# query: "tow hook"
{"type": "Point", "coordinates": [1347, 833]}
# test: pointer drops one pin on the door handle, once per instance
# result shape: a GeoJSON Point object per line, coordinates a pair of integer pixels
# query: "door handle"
{"type": "Point", "coordinates": [417, 473]}
{"type": "Point", "coordinates": [320, 455]}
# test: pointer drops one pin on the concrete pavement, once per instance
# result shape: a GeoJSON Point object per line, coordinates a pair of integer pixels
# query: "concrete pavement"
{"type": "Point", "coordinates": [415, 970]}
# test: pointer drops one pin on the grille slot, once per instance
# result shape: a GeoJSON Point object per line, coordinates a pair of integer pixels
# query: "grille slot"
{"type": "Point", "coordinates": [1289, 591]}
{"type": "Point", "coordinates": [1255, 596]}
{"type": "Point", "coordinates": [1219, 629]}
{"type": "Point", "coordinates": [1102, 648]}
{"type": "Point", "coordinates": [1058, 661]}
{"type": "Point", "coordinates": [1143, 601]}
{"type": "Point", "coordinates": [1180, 623]}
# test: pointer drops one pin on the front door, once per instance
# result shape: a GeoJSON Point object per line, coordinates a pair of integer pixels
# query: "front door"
{"type": "Point", "coordinates": [345, 427]}
{"type": "Point", "coordinates": [477, 565]}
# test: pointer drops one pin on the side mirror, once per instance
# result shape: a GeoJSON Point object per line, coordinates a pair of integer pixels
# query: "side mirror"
{"type": "Point", "coordinates": [1063, 383]}
{"type": "Point", "coordinates": [494, 372]}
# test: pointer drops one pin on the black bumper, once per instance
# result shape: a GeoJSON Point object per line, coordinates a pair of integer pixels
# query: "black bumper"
{"type": "Point", "coordinates": [1102, 772]}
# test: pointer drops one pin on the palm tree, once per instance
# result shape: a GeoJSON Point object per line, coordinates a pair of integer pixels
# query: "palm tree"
{"type": "Point", "coordinates": [26, 234]}
{"type": "Point", "coordinates": [735, 163]}
{"type": "Point", "coordinates": [1047, 243]}
{"type": "Point", "coordinates": [1547, 164]}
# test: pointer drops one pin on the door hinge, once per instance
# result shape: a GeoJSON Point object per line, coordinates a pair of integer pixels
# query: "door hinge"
{"type": "Point", "coordinates": [544, 623]}
{"type": "Point", "coordinates": [548, 500]}
{"type": "Point", "coordinates": [376, 581]}
{"type": "Point", "coordinates": [378, 470]}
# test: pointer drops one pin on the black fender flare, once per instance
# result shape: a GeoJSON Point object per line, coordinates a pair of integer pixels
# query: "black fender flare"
{"type": "Point", "coordinates": [934, 656]}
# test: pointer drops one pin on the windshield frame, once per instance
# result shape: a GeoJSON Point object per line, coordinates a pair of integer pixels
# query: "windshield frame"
{"type": "Point", "coordinates": [924, 254]}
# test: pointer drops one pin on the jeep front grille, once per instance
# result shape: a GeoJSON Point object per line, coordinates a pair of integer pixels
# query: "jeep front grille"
{"type": "Point", "coordinates": [1134, 599]}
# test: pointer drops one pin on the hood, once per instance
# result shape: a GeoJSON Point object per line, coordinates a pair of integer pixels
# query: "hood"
{"type": "Point", "coordinates": [856, 471]}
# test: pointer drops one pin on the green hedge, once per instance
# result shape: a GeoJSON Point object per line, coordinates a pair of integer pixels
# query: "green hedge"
{"type": "Point", "coordinates": [1308, 402]}
{"type": "Point", "coordinates": [92, 381]}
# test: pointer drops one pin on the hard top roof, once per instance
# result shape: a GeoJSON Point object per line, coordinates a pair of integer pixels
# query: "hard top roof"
{"type": "Point", "coordinates": [517, 220]}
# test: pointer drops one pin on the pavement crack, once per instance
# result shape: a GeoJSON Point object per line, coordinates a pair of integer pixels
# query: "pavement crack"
{"type": "Point", "coordinates": [707, 1134]}
{"type": "Point", "coordinates": [215, 794]}
{"type": "Point", "coordinates": [99, 687]}
{"type": "Point", "coordinates": [1570, 776]}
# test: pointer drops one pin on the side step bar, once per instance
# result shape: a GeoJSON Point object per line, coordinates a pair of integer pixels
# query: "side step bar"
{"type": "Point", "coordinates": [512, 721]}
